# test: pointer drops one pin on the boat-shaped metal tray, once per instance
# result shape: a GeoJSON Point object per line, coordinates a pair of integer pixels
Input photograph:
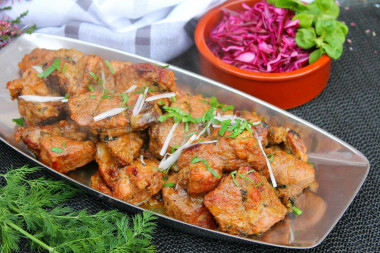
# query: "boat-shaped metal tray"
{"type": "Point", "coordinates": [340, 168]}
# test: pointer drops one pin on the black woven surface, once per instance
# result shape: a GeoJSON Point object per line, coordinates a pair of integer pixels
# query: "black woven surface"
{"type": "Point", "coordinates": [348, 108]}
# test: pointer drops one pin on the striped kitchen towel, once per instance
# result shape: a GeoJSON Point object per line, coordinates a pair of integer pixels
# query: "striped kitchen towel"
{"type": "Point", "coordinates": [157, 29]}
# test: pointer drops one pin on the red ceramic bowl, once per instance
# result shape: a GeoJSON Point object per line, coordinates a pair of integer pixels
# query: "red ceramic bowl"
{"type": "Point", "coordinates": [285, 90]}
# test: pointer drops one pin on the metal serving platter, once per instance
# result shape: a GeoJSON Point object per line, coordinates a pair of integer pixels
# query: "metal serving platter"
{"type": "Point", "coordinates": [340, 168]}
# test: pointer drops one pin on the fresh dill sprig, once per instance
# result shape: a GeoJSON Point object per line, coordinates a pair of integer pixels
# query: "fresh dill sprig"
{"type": "Point", "coordinates": [35, 209]}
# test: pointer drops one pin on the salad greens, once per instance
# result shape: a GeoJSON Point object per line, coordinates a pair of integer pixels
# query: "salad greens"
{"type": "Point", "coordinates": [319, 28]}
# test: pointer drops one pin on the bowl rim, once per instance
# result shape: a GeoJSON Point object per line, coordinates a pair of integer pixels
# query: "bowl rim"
{"type": "Point", "coordinates": [247, 74]}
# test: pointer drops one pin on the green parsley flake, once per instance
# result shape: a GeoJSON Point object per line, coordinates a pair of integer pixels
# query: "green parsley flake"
{"type": "Point", "coordinates": [233, 178]}
{"type": "Point", "coordinates": [110, 67]}
{"type": "Point", "coordinates": [196, 160]}
{"type": "Point", "coordinates": [174, 99]}
{"type": "Point", "coordinates": [66, 96]}
{"type": "Point", "coordinates": [169, 185]}
{"type": "Point", "coordinates": [92, 96]}
{"type": "Point", "coordinates": [174, 148]}
{"type": "Point", "coordinates": [63, 69]}
{"type": "Point", "coordinates": [270, 157]}
{"type": "Point", "coordinates": [125, 98]}
{"type": "Point", "coordinates": [91, 88]}
{"type": "Point", "coordinates": [56, 150]}
{"type": "Point", "coordinates": [106, 96]}
{"type": "Point", "coordinates": [56, 64]}
{"type": "Point", "coordinates": [19, 121]}
{"type": "Point", "coordinates": [142, 90]}
{"type": "Point", "coordinates": [296, 210]}
{"type": "Point", "coordinates": [92, 74]}
{"type": "Point", "coordinates": [249, 179]}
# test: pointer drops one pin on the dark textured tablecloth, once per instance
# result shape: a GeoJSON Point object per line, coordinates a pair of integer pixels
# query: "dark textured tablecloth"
{"type": "Point", "coordinates": [349, 108]}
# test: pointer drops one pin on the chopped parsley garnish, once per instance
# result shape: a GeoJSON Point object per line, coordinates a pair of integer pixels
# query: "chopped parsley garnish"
{"type": "Point", "coordinates": [249, 179]}
{"type": "Point", "coordinates": [160, 102]}
{"type": "Point", "coordinates": [174, 99]}
{"type": "Point", "coordinates": [63, 69]}
{"type": "Point", "coordinates": [56, 150]}
{"type": "Point", "coordinates": [19, 121]}
{"type": "Point", "coordinates": [56, 64]}
{"type": "Point", "coordinates": [64, 144]}
{"type": "Point", "coordinates": [214, 103]}
{"type": "Point", "coordinates": [196, 160]}
{"type": "Point", "coordinates": [142, 90]}
{"type": "Point", "coordinates": [310, 163]}
{"type": "Point", "coordinates": [106, 96]}
{"type": "Point", "coordinates": [177, 114]}
{"type": "Point", "coordinates": [270, 157]}
{"type": "Point", "coordinates": [92, 96]}
{"type": "Point", "coordinates": [189, 134]}
{"type": "Point", "coordinates": [174, 148]}
{"type": "Point", "coordinates": [233, 178]}
{"type": "Point", "coordinates": [91, 88]}
{"type": "Point", "coordinates": [110, 66]}
{"type": "Point", "coordinates": [92, 74]}
{"type": "Point", "coordinates": [169, 184]}
{"type": "Point", "coordinates": [66, 96]}
{"type": "Point", "coordinates": [125, 98]}
{"type": "Point", "coordinates": [296, 211]}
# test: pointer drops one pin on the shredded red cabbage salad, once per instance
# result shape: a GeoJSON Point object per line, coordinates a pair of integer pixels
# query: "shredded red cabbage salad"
{"type": "Point", "coordinates": [261, 38]}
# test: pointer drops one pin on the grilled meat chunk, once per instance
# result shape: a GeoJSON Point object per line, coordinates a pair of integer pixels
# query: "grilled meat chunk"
{"type": "Point", "coordinates": [35, 112]}
{"type": "Point", "coordinates": [41, 57]}
{"type": "Point", "coordinates": [64, 154]}
{"type": "Point", "coordinates": [83, 108]}
{"type": "Point", "coordinates": [290, 139]}
{"type": "Point", "coordinates": [198, 177]}
{"type": "Point", "coordinates": [126, 148]}
{"type": "Point", "coordinates": [145, 75]}
{"type": "Point", "coordinates": [292, 174]}
{"type": "Point", "coordinates": [31, 135]}
{"type": "Point", "coordinates": [108, 165]}
{"type": "Point", "coordinates": [246, 206]}
{"type": "Point", "coordinates": [138, 182]}
{"type": "Point", "coordinates": [180, 205]}
{"type": "Point", "coordinates": [98, 184]}
{"type": "Point", "coordinates": [193, 105]}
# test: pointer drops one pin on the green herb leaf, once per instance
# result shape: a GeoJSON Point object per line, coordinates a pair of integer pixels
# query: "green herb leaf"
{"type": "Point", "coordinates": [296, 210]}
{"type": "Point", "coordinates": [315, 55]}
{"type": "Point", "coordinates": [91, 88]}
{"type": "Point", "coordinates": [142, 90]}
{"type": "Point", "coordinates": [305, 20]}
{"type": "Point", "coordinates": [174, 99]}
{"type": "Point", "coordinates": [270, 157]}
{"type": "Point", "coordinates": [305, 38]}
{"type": "Point", "coordinates": [56, 150]}
{"type": "Point", "coordinates": [196, 160]}
{"type": "Point", "coordinates": [19, 121]}
{"type": "Point", "coordinates": [66, 96]}
{"type": "Point", "coordinates": [92, 96]}
{"type": "Point", "coordinates": [56, 64]}
{"type": "Point", "coordinates": [233, 178]}
{"type": "Point", "coordinates": [92, 74]}
{"type": "Point", "coordinates": [125, 98]}
{"type": "Point", "coordinates": [106, 96]}
{"type": "Point", "coordinates": [169, 184]}
{"type": "Point", "coordinates": [110, 67]}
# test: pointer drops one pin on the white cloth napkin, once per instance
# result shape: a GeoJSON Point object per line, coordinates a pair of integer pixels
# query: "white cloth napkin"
{"type": "Point", "coordinates": [157, 29]}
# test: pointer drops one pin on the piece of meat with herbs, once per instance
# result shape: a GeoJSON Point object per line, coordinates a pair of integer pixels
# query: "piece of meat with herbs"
{"type": "Point", "coordinates": [190, 106]}
{"type": "Point", "coordinates": [179, 204]}
{"type": "Point", "coordinates": [89, 73]}
{"type": "Point", "coordinates": [244, 203]}
{"type": "Point", "coordinates": [126, 148]}
{"type": "Point", "coordinates": [98, 184]}
{"type": "Point", "coordinates": [259, 124]}
{"type": "Point", "coordinates": [35, 112]}
{"type": "Point", "coordinates": [64, 154]}
{"type": "Point", "coordinates": [144, 75]}
{"type": "Point", "coordinates": [138, 181]}
{"type": "Point", "coordinates": [202, 169]}
{"type": "Point", "coordinates": [42, 57]}
{"type": "Point", "coordinates": [31, 135]}
{"type": "Point", "coordinates": [243, 150]}
{"type": "Point", "coordinates": [292, 174]}
{"type": "Point", "coordinates": [83, 108]}
{"type": "Point", "coordinates": [291, 141]}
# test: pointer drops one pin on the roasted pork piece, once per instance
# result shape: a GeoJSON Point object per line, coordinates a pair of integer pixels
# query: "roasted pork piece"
{"type": "Point", "coordinates": [245, 203]}
{"type": "Point", "coordinates": [179, 204]}
{"type": "Point", "coordinates": [191, 156]}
